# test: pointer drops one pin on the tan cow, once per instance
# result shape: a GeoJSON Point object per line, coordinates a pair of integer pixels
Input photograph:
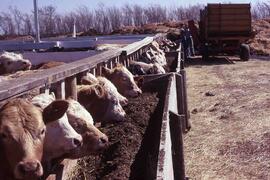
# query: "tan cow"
{"type": "Point", "coordinates": [22, 133]}
{"type": "Point", "coordinates": [12, 62]}
{"type": "Point", "coordinates": [81, 120]}
{"type": "Point", "coordinates": [109, 87]}
{"type": "Point", "coordinates": [103, 107]}
{"type": "Point", "coordinates": [123, 80]}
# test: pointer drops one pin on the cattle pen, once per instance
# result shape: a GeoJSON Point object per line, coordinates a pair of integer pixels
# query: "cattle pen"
{"type": "Point", "coordinates": [175, 115]}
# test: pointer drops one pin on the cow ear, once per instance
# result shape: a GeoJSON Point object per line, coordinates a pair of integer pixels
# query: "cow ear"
{"type": "Point", "coordinates": [99, 91]}
{"type": "Point", "coordinates": [105, 71]}
{"type": "Point", "coordinates": [55, 110]}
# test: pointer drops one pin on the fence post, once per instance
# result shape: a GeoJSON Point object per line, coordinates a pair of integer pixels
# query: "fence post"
{"type": "Point", "coordinates": [71, 87]}
{"type": "Point", "coordinates": [185, 101]}
{"type": "Point", "coordinates": [60, 90]}
{"type": "Point", "coordinates": [177, 145]}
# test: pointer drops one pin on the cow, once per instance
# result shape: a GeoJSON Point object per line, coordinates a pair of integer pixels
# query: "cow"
{"type": "Point", "coordinates": [141, 68]}
{"type": "Point", "coordinates": [123, 80]}
{"type": "Point", "coordinates": [109, 87]}
{"type": "Point", "coordinates": [61, 139]}
{"type": "Point", "coordinates": [81, 120]}
{"type": "Point", "coordinates": [22, 134]}
{"type": "Point", "coordinates": [12, 62]}
{"type": "Point", "coordinates": [103, 107]}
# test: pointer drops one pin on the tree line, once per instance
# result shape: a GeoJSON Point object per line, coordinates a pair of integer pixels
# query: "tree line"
{"type": "Point", "coordinates": [102, 19]}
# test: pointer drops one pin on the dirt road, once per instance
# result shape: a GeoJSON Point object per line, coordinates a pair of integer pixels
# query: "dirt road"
{"type": "Point", "coordinates": [230, 114]}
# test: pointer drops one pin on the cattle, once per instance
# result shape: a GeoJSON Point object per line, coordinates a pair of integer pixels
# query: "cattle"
{"type": "Point", "coordinates": [22, 133]}
{"type": "Point", "coordinates": [141, 68]}
{"type": "Point", "coordinates": [152, 56]}
{"type": "Point", "coordinates": [81, 120]}
{"type": "Point", "coordinates": [49, 64]}
{"type": "Point", "coordinates": [103, 107]}
{"type": "Point", "coordinates": [123, 80]}
{"type": "Point", "coordinates": [109, 87]}
{"type": "Point", "coordinates": [61, 139]}
{"type": "Point", "coordinates": [12, 62]}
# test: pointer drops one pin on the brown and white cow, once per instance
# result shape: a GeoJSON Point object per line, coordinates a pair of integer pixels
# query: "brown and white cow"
{"type": "Point", "coordinates": [109, 87]}
{"type": "Point", "coordinates": [101, 105]}
{"type": "Point", "coordinates": [12, 62]}
{"type": "Point", "coordinates": [81, 120]}
{"type": "Point", "coordinates": [22, 133]}
{"type": "Point", "coordinates": [61, 139]}
{"type": "Point", "coordinates": [123, 80]}
{"type": "Point", "coordinates": [142, 68]}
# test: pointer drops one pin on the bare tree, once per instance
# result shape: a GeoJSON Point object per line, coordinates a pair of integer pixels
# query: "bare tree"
{"type": "Point", "coordinates": [7, 24]}
{"type": "Point", "coordinates": [27, 24]}
{"type": "Point", "coordinates": [127, 15]}
{"type": "Point", "coordinates": [85, 18]}
{"type": "Point", "coordinates": [18, 18]}
{"type": "Point", "coordinates": [115, 17]}
{"type": "Point", "coordinates": [138, 15]}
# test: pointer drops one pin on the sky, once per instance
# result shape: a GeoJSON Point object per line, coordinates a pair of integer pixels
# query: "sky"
{"type": "Point", "coordinates": [71, 5]}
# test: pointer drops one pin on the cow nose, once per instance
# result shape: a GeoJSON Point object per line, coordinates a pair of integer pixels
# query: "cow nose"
{"type": "Point", "coordinates": [29, 168]}
{"type": "Point", "coordinates": [139, 92]}
{"type": "Point", "coordinates": [104, 140]}
{"type": "Point", "coordinates": [77, 142]}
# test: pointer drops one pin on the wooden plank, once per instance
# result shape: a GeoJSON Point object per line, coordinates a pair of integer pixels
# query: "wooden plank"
{"type": "Point", "coordinates": [228, 11]}
{"type": "Point", "coordinates": [229, 23]}
{"type": "Point", "coordinates": [60, 90]}
{"type": "Point", "coordinates": [185, 100]}
{"type": "Point", "coordinates": [227, 6]}
{"type": "Point", "coordinates": [229, 29]}
{"type": "Point", "coordinates": [71, 87]}
{"type": "Point", "coordinates": [177, 145]}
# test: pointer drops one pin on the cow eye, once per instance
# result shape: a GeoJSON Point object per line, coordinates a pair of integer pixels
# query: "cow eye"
{"type": "Point", "coordinates": [3, 136]}
{"type": "Point", "coordinates": [8, 63]}
{"type": "Point", "coordinates": [42, 132]}
{"type": "Point", "coordinates": [124, 78]}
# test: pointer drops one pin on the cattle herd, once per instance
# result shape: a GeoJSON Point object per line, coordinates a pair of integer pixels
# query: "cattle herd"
{"type": "Point", "coordinates": [36, 131]}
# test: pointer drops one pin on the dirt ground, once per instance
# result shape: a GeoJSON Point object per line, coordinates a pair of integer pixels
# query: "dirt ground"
{"type": "Point", "coordinates": [230, 116]}
{"type": "Point", "coordinates": [122, 160]}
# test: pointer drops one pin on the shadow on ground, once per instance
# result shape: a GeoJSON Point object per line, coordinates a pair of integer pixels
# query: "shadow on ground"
{"type": "Point", "coordinates": [197, 60]}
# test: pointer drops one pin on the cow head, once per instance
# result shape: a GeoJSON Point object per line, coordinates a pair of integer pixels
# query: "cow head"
{"type": "Point", "coordinates": [61, 139]}
{"type": "Point", "coordinates": [11, 62]}
{"type": "Point", "coordinates": [80, 119]}
{"type": "Point", "coordinates": [157, 69]}
{"type": "Point", "coordinates": [123, 80]}
{"type": "Point", "coordinates": [101, 105]}
{"type": "Point", "coordinates": [22, 133]}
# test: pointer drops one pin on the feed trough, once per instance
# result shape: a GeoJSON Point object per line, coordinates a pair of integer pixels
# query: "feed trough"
{"type": "Point", "coordinates": [148, 145]}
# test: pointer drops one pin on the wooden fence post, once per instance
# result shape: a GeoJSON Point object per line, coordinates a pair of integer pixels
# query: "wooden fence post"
{"type": "Point", "coordinates": [60, 90]}
{"type": "Point", "coordinates": [71, 87]}
{"type": "Point", "coordinates": [185, 101]}
{"type": "Point", "coordinates": [177, 145]}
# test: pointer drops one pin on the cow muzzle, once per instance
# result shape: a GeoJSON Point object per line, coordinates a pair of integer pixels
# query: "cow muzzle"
{"type": "Point", "coordinates": [28, 170]}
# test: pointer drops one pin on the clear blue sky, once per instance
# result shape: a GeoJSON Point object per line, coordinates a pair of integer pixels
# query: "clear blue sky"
{"type": "Point", "coordinates": [69, 5]}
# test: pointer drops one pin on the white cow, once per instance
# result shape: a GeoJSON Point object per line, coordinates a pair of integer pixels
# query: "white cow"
{"type": "Point", "coordinates": [60, 139]}
{"type": "Point", "coordinates": [142, 68]}
{"type": "Point", "coordinates": [12, 62]}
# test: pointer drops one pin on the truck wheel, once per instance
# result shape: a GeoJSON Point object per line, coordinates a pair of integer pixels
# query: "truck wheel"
{"type": "Point", "coordinates": [244, 52]}
{"type": "Point", "coordinates": [205, 53]}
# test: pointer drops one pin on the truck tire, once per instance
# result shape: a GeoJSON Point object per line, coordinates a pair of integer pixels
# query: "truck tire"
{"type": "Point", "coordinates": [244, 52]}
{"type": "Point", "coordinates": [205, 53]}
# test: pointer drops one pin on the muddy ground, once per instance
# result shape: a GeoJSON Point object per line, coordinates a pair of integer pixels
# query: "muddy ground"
{"type": "Point", "coordinates": [230, 115]}
{"type": "Point", "coordinates": [122, 159]}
